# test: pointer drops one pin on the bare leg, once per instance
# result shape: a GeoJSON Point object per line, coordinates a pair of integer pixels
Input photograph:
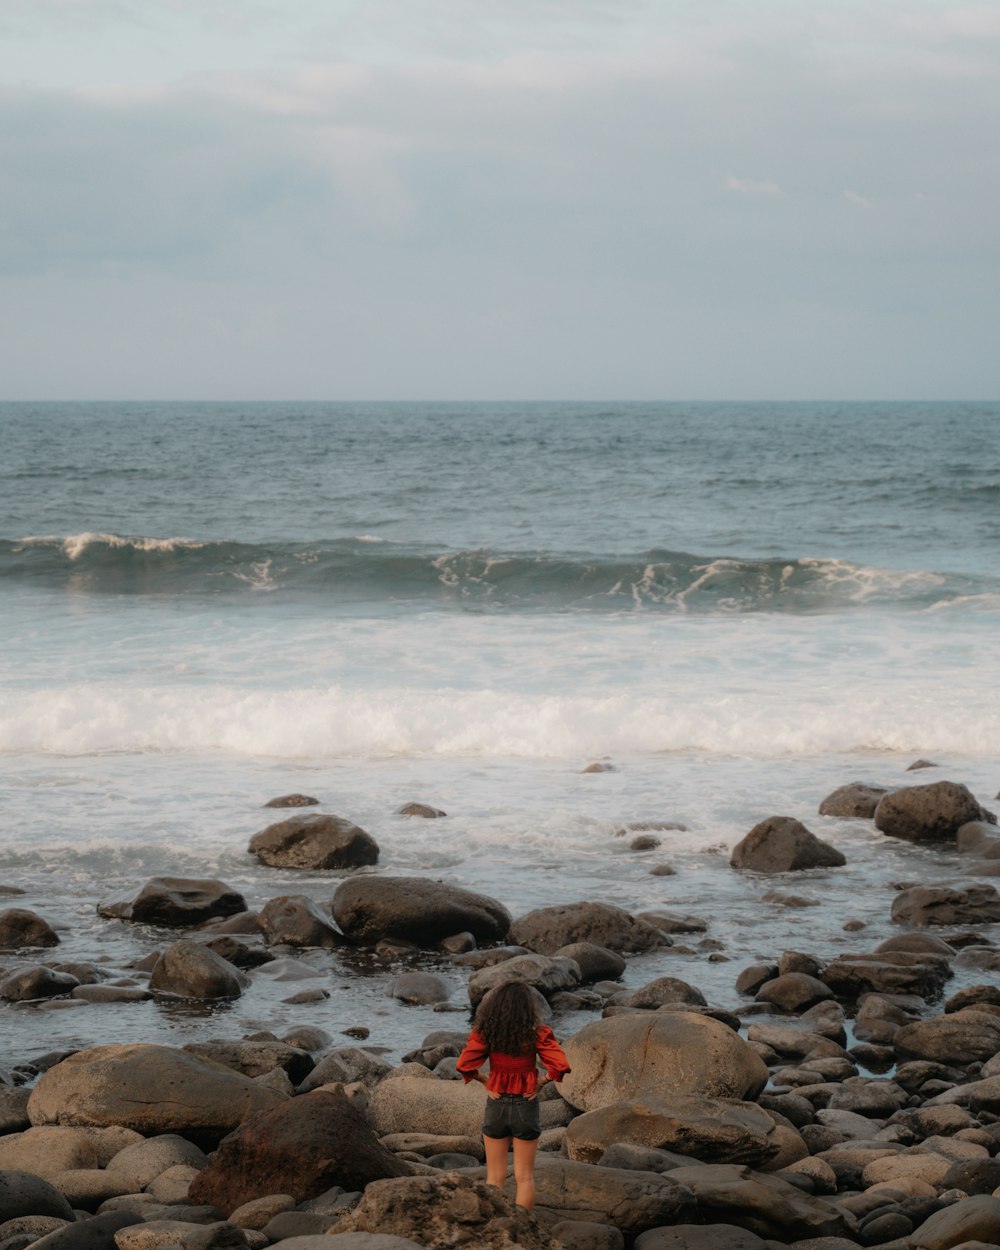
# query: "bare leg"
{"type": "Point", "coordinates": [524, 1172]}
{"type": "Point", "coordinates": [496, 1160]}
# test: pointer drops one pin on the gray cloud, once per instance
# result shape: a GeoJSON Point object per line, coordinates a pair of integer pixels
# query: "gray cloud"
{"type": "Point", "coordinates": [783, 203]}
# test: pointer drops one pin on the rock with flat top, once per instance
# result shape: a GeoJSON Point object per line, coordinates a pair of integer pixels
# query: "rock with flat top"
{"type": "Point", "coordinates": [175, 902]}
{"type": "Point", "coordinates": [946, 905]}
{"type": "Point", "coordinates": [546, 929]}
{"type": "Point", "coordinates": [314, 842]}
{"type": "Point", "coordinates": [415, 909]}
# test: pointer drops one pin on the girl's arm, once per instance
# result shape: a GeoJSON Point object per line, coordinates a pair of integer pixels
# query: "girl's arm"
{"type": "Point", "coordinates": [473, 1056]}
{"type": "Point", "coordinates": [552, 1055]}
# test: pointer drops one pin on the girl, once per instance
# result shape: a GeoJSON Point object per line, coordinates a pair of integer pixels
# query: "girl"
{"type": "Point", "coordinates": [510, 1034]}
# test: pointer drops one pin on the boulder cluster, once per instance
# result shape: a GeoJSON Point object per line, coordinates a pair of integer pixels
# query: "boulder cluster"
{"type": "Point", "coordinates": [834, 1103]}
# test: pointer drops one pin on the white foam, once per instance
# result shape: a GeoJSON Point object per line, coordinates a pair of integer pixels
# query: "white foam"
{"type": "Point", "coordinates": [74, 545]}
{"type": "Point", "coordinates": [327, 722]}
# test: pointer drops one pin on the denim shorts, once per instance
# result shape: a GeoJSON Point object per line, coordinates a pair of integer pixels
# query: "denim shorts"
{"type": "Point", "coordinates": [511, 1115]}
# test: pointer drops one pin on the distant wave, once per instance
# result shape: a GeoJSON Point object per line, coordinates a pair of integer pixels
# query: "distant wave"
{"type": "Point", "coordinates": [364, 569]}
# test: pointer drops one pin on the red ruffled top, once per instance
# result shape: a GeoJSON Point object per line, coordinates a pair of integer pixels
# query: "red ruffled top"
{"type": "Point", "coordinates": [513, 1074]}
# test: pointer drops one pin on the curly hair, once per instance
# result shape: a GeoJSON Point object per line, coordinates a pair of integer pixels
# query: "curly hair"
{"type": "Point", "coordinates": [508, 1018]}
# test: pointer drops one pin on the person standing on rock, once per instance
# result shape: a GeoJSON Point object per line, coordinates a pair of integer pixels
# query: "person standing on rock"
{"type": "Point", "coordinates": [509, 1033]}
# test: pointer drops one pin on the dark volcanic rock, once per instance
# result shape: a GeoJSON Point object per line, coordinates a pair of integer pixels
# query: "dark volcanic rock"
{"type": "Point", "coordinates": [314, 842]}
{"type": "Point", "coordinates": [853, 800]}
{"type": "Point", "coordinates": [21, 927]}
{"type": "Point", "coordinates": [415, 909]}
{"type": "Point", "coordinates": [302, 1148]}
{"type": "Point", "coordinates": [191, 970]}
{"type": "Point", "coordinates": [24, 1193]}
{"type": "Point", "coordinates": [175, 901]}
{"type": "Point", "coordinates": [783, 844]}
{"type": "Point", "coordinates": [931, 813]}
{"type": "Point", "coordinates": [547, 929]}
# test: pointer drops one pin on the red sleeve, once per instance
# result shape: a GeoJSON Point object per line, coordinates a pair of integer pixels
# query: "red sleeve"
{"type": "Point", "coordinates": [472, 1057]}
{"type": "Point", "coordinates": [551, 1054]}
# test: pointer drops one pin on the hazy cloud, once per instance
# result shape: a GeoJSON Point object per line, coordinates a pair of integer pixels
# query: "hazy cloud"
{"type": "Point", "coordinates": [515, 197]}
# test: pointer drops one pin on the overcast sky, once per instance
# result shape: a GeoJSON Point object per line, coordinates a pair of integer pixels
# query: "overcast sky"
{"type": "Point", "coordinates": [592, 199]}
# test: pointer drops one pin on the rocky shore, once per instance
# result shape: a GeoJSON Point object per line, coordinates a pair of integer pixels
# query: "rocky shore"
{"type": "Point", "coordinates": [832, 1103]}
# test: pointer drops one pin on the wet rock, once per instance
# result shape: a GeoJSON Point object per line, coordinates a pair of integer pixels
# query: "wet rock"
{"type": "Point", "coordinates": [314, 842]}
{"type": "Point", "coordinates": [644, 842]}
{"type": "Point", "coordinates": [946, 905]}
{"type": "Point", "coordinates": [546, 929]}
{"type": "Point", "coordinates": [293, 800]}
{"type": "Point", "coordinates": [764, 1204]}
{"type": "Point", "coordinates": [712, 1130]}
{"type": "Point", "coordinates": [419, 988]}
{"type": "Point", "coordinates": [670, 922]}
{"type": "Point", "coordinates": [794, 991]}
{"type": "Point", "coordinates": [855, 800]}
{"type": "Point", "coordinates": [795, 902]}
{"type": "Point", "coordinates": [596, 963]}
{"type": "Point", "coordinates": [598, 767]}
{"type": "Point", "coordinates": [20, 927]}
{"type": "Point", "coordinates": [242, 952]}
{"type": "Point", "coordinates": [547, 976]}
{"type": "Point", "coordinates": [916, 944]}
{"type": "Point", "coordinates": [655, 994]}
{"type": "Point", "coordinates": [979, 836]}
{"type": "Point", "coordinates": [110, 994]}
{"type": "Point", "coordinates": [971, 996]}
{"type": "Point", "coordinates": [24, 1193]}
{"type": "Point", "coordinates": [446, 1210]}
{"type": "Point", "coordinates": [932, 813]}
{"type": "Point", "coordinates": [175, 901]}
{"type": "Point", "coordinates": [639, 1055]}
{"type": "Point", "coordinates": [896, 972]}
{"type": "Point", "coordinates": [783, 844]}
{"type": "Point", "coordinates": [422, 810]}
{"type": "Point", "coordinates": [301, 1147]}
{"type": "Point", "coordinates": [152, 1089]}
{"type": "Point", "coordinates": [415, 909]}
{"type": "Point", "coordinates": [189, 970]}
{"type": "Point", "coordinates": [752, 978]}
{"type": "Point", "coordinates": [287, 970]}
{"type": "Point", "coordinates": [36, 982]}
{"type": "Point", "coordinates": [295, 920]}
{"type": "Point", "coordinates": [458, 943]}
{"type": "Point", "coordinates": [255, 1058]}
{"type": "Point", "coordinates": [963, 1037]}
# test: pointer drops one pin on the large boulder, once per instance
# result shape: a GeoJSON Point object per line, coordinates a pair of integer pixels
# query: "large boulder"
{"type": "Point", "coordinates": [714, 1130]}
{"type": "Point", "coordinates": [190, 970]}
{"type": "Point", "coordinates": [961, 1037]}
{"type": "Point", "coordinates": [942, 904]}
{"type": "Point", "coordinates": [931, 813]}
{"type": "Point", "coordinates": [416, 909]}
{"type": "Point", "coordinates": [295, 920]}
{"type": "Point", "coordinates": [175, 902]}
{"type": "Point", "coordinates": [315, 842]}
{"type": "Point", "coordinates": [855, 800]}
{"type": "Point", "coordinates": [152, 1089]}
{"type": "Point", "coordinates": [548, 976]}
{"type": "Point", "coordinates": [766, 1205]}
{"type": "Point", "coordinates": [301, 1147]}
{"type": "Point", "coordinates": [547, 929]}
{"type": "Point", "coordinates": [639, 1056]}
{"type": "Point", "coordinates": [21, 927]}
{"type": "Point", "coordinates": [783, 844]}
{"type": "Point", "coordinates": [445, 1212]}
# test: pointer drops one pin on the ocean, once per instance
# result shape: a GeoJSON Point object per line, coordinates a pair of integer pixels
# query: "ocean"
{"type": "Point", "coordinates": [738, 607]}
